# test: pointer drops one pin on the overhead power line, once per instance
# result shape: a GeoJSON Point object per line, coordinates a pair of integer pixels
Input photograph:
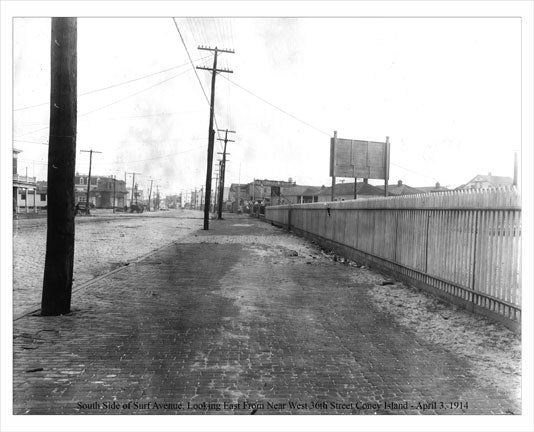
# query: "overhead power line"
{"type": "Point", "coordinates": [133, 94]}
{"type": "Point", "coordinates": [415, 172]}
{"type": "Point", "coordinates": [156, 157]}
{"type": "Point", "coordinates": [191, 61]}
{"type": "Point", "coordinates": [112, 103]}
{"type": "Point", "coordinates": [114, 85]}
{"type": "Point", "coordinates": [196, 73]}
{"type": "Point", "coordinates": [276, 107]}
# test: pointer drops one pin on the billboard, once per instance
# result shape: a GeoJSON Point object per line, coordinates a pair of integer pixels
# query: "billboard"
{"type": "Point", "coordinates": [359, 159]}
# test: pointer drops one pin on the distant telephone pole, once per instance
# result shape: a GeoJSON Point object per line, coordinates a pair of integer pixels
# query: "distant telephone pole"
{"type": "Point", "coordinates": [223, 171]}
{"type": "Point", "coordinates": [211, 132]}
{"type": "Point", "coordinates": [59, 260]}
{"type": "Point", "coordinates": [89, 178]}
{"type": "Point", "coordinates": [215, 199]}
{"type": "Point", "coordinates": [114, 196]}
{"type": "Point", "coordinates": [133, 184]}
{"type": "Point", "coordinates": [238, 189]}
{"type": "Point", "coordinates": [149, 194]}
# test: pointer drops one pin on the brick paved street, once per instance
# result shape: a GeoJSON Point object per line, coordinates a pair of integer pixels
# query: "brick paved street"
{"type": "Point", "coordinates": [249, 316]}
{"type": "Point", "coordinates": [103, 242]}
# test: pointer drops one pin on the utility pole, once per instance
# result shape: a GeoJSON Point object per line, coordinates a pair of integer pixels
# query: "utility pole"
{"type": "Point", "coordinates": [114, 196]}
{"type": "Point", "coordinates": [211, 134]}
{"type": "Point", "coordinates": [215, 197]}
{"type": "Point", "coordinates": [238, 189]}
{"type": "Point", "coordinates": [133, 184]}
{"type": "Point", "coordinates": [59, 260]}
{"type": "Point", "coordinates": [150, 193]}
{"type": "Point", "coordinates": [223, 172]}
{"type": "Point", "coordinates": [89, 178]}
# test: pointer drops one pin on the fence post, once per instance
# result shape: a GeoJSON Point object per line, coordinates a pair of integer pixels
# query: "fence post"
{"type": "Point", "coordinates": [289, 219]}
{"type": "Point", "coordinates": [427, 241]}
{"type": "Point", "coordinates": [474, 256]}
{"type": "Point", "coordinates": [396, 234]}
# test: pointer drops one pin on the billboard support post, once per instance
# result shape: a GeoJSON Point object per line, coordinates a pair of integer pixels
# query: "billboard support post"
{"type": "Point", "coordinates": [386, 168]}
{"type": "Point", "coordinates": [333, 146]}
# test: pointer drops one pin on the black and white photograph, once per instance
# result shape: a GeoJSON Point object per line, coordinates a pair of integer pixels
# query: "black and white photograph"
{"type": "Point", "coordinates": [309, 212]}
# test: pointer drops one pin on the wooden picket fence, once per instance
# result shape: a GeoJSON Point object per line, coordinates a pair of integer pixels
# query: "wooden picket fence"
{"type": "Point", "coordinates": [464, 243]}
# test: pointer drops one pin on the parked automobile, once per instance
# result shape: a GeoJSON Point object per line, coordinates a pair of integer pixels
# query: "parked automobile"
{"type": "Point", "coordinates": [81, 209]}
{"type": "Point", "coordinates": [137, 208]}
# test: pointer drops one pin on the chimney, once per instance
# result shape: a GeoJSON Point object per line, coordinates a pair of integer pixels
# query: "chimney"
{"type": "Point", "coordinates": [438, 185]}
{"type": "Point", "coordinates": [399, 183]}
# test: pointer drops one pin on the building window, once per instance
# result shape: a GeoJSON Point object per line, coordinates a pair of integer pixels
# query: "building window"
{"type": "Point", "coordinates": [94, 181]}
{"type": "Point", "coordinates": [23, 196]}
{"type": "Point", "coordinates": [43, 197]}
{"type": "Point", "coordinates": [81, 180]}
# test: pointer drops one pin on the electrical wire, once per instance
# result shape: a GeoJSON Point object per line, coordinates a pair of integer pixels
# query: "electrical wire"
{"type": "Point", "coordinates": [412, 171]}
{"type": "Point", "coordinates": [133, 94]}
{"type": "Point", "coordinates": [154, 158]}
{"type": "Point", "coordinates": [114, 85]}
{"type": "Point", "coordinates": [199, 81]}
{"type": "Point", "coordinates": [278, 108]}
{"type": "Point", "coordinates": [112, 103]}
{"type": "Point", "coordinates": [191, 61]}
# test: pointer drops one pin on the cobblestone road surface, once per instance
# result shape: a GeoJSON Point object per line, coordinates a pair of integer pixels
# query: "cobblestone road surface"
{"type": "Point", "coordinates": [103, 242]}
{"type": "Point", "coordinates": [242, 319]}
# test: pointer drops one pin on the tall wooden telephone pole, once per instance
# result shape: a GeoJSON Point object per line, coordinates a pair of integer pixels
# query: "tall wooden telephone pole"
{"type": "Point", "coordinates": [223, 171]}
{"type": "Point", "coordinates": [211, 132]}
{"type": "Point", "coordinates": [89, 178]}
{"type": "Point", "coordinates": [59, 260]}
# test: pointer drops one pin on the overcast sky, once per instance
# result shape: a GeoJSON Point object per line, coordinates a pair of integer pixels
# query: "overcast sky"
{"type": "Point", "coordinates": [447, 92]}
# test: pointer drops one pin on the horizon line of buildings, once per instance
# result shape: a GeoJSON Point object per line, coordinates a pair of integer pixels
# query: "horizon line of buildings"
{"type": "Point", "coordinates": [109, 192]}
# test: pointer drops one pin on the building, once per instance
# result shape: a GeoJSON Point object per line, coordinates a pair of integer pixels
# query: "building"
{"type": "Point", "coordinates": [104, 192]}
{"type": "Point", "coordinates": [24, 189]}
{"type": "Point", "coordinates": [265, 191]}
{"type": "Point", "coordinates": [345, 191]}
{"type": "Point", "coordinates": [399, 189]}
{"type": "Point", "coordinates": [42, 195]}
{"type": "Point", "coordinates": [239, 192]}
{"type": "Point", "coordinates": [432, 189]}
{"type": "Point", "coordinates": [173, 201]}
{"type": "Point", "coordinates": [298, 195]}
{"type": "Point", "coordinates": [487, 182]}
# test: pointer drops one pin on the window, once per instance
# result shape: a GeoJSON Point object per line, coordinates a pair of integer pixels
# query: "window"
{"type": "Point", "coordinates": [23, 196]}
{"type": "Point", "coordinates": [94, 181]}
{"type": "Point", "coordinates": [43, 197]}
{"type": "Point", "coordinates": [81, 180]}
